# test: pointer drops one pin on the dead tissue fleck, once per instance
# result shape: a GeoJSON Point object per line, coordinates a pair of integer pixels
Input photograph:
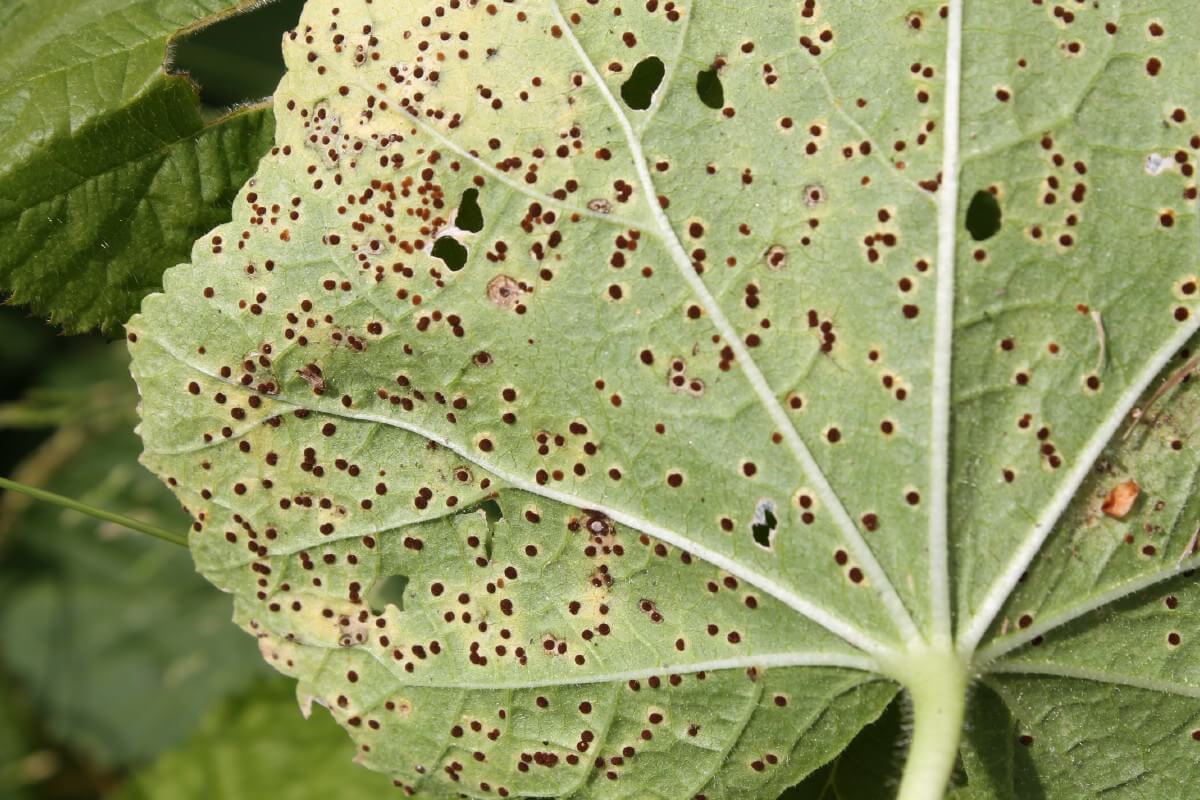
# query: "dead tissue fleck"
{"type": "Point", "coordinates": [1120, 499]}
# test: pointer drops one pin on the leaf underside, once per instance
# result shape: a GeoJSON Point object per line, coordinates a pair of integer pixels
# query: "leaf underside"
{"type": "Point", "coordinates": [565, 446]}
{"type": "Point", "coordinates": [109, 171]}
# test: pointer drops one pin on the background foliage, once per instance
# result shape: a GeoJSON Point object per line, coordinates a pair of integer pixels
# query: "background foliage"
{"type": "Point", "coordinates": [114, 159]}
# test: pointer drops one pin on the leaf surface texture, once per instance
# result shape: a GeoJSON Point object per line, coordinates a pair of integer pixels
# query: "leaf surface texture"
{"type": "Point", "coordinates": [723, 408]}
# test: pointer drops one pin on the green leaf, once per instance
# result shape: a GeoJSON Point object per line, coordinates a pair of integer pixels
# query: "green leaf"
{"type": "Point", "coordinates": [996, 764]}
{"type": "Point", "coordinates": [254, 746]}
{"type": "Point", "coordinates": [12, 751]}
{"type": "Point", "coordinates": [1073, 746]}
{"type": "Point", "coordinates": [118, 644]}
{"type": "Point", "coordinates": [109, 172]}
{"type": "Point", "coordinates": [865, 770]}
{"type": "Point", "coordinates": [748, 392]}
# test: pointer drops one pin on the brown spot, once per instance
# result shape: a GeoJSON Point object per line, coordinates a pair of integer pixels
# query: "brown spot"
{"type": "Point", "coordinates": [777, 257]}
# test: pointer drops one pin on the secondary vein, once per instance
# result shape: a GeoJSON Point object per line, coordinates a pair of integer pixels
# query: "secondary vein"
{"type": "Point", "coordinates": [666, 234]}
{"type": "Point", "coordinates": [1000, 588]}
{"type": "Point", "coordinates": [1095, 675]}
{"type": "Point", "coordinates": [807, 608]}
{"type": "Point", "coordinates": [1006, 644]}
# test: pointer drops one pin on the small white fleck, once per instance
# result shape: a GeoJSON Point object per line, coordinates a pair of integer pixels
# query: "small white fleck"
{"type": "Point", "coordinates": [1155, 163]}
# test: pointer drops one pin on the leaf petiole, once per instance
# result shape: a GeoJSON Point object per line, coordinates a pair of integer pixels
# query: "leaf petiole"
{"type": "Point", "coordinates": [937, 682]}
{"type": "Point", "coordinates": [98, 513]}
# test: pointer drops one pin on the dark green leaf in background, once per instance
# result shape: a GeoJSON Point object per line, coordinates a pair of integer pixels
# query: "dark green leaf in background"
{"type": "Point", "coordinates": [993, 761]}
{"type": "Point", "coordinates": [869, 767]}
{"type": "Point", "coordinates": [255, 747]}
{"type": "Point", "coordinates": [237, 60]}
{"type": "Point", "coordinates": [109, 169]}
{"type": "Point", "coordinates": [12, 751]}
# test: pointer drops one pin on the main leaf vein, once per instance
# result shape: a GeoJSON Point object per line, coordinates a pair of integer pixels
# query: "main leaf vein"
{"type": "Point", "coordinates": [666, 234]}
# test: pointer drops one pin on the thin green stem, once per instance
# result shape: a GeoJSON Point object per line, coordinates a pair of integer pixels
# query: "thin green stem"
{"type": "Point", "coordinates": [98, 513]}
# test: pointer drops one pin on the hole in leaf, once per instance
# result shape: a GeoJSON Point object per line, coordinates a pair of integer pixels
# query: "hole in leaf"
{"type": "Point", "coordinates": [983, 216]}
{"type": "Point", "coordinates": [492, 509]}
{"type": "Point", "coordinates": [387, 591]}
{"type": "Point", "coordinates": [492, 514]}
{"type": "Point", "coordinates": [708, 87]}
{"type": "Point", "coordinates": [638, 91]}
{"type": "Point", "coordinates": [451, 252]}
{"type": "Point", "coordinates": [469, 216]}
{"type": "Point", "coordinates": [764, 523]}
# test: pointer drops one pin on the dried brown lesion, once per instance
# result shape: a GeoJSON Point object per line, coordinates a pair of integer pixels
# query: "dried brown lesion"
{"type": "Point", "coordinates": [504, 291]}
{"type": "Point", "coordinates": [312, 375]}
{"type": "Point", "coordinates": [1121, 498]}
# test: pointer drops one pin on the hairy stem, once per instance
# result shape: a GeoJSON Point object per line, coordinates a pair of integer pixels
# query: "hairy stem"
{"type": "Point", "coordinates": [936, 681]}
{"type": "Point", "coordinates": [99, 513]}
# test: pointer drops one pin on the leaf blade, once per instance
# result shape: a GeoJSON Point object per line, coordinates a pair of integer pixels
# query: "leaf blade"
{"type": "Point", "coordinates": [623, 344]}
{"type": "Point", "coordinates": [110, 172]}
